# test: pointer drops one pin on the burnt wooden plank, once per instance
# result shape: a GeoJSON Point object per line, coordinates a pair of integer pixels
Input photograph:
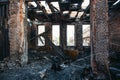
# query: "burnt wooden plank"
{"type": "Point", "coordinates": [63, 35]}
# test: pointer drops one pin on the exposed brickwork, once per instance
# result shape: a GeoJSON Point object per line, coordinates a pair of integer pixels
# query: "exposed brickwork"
{"type": "Point", "coordinates": [99, 28]}
{"type": "Point", "coordinates": [114, 29]}
{"type": "Point", "coordinates": [13, 31]}
{"type": "Point", "coordinates": [17, 31]}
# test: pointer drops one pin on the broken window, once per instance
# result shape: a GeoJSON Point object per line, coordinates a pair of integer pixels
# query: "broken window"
{"type": "Point", "coordinates": [56, 34]}
{"type": "Point", "coordinates": [41, 29]}
{"type": "Point", "coordinates": [86, 35]}
{"type": "Point", "coordinates": [70, 35]}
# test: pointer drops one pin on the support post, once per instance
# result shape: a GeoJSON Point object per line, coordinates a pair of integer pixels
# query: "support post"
{"type": "Point", "coordinates": [99, 38]}
{"type": "Point", "coordinates": [18, 32]}
{"type": "Point", "coordinates": [63, 35]}
{"type": "Point", "coordinates": [48, 27]}
{"type": "Point", "coordinates": [78, 36]}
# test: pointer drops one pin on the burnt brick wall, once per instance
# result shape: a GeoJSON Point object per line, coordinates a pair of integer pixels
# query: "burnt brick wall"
{"type": "Point", "coordinates": [99, 35]}
{"type": "Point", "coordinates": [17, 31]}
{"type": "Point", "coordinates": [114, 30]}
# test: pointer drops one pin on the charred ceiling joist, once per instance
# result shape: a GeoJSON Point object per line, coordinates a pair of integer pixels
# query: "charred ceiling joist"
{"type": "Point", "coordinates": [49, 15]}
{"type": "Point", "coordinates": [57, 15]}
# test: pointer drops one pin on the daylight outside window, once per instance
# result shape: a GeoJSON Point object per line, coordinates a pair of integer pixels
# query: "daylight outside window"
{"type": "Point", "coordinates": [41, 29]}
{"type": "Point", "coordinates": [70, 35]}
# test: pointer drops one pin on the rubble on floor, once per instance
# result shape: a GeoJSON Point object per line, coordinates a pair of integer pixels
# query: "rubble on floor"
{"type": "Point", "coordinates": [39, 68]}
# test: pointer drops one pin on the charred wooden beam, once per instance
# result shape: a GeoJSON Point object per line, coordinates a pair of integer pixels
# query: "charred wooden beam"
{"type": "Point", "coordinates": [41, 7]}
{"type": "Point", "coordinates": [52, 8]}
{"type": "Point", "coordinates": [86, 11]}
{"type": "Point", "coordinates": [99, 35]}
{"type": "Point", "coordinates": [63, 35]}
{"type": "Point", "coordinates": [32, 32]}
{"type": "Point", "coordinates": [48, 26]}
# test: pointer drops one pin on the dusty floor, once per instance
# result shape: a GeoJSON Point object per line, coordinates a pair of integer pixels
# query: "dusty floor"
{"type": "Point", "coordinates": [39, 68]}
{"type": "Point", "coordinates": [41, 71]}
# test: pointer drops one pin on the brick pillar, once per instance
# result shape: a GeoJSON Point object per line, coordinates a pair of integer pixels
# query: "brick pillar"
{"type": "Point", "coordinates": [18, 32]}
{"type": "Point", "coordinates": [78, 36]}
{"type": "Point", "coordinates": [99, 41]}
{"type": "Point", "coordinates": [63, 35]}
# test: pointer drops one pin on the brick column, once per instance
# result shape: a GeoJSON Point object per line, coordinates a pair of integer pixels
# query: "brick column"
{"type": "Point", "coordinates": [99, 41]}
{"type": "Point", "coordinates": [18, 32]}
{"type": "Point", "coordinates": [78, 36]}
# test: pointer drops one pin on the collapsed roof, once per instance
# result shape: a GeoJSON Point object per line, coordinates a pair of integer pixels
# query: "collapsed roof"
{"type": "Point", "coordinates": [61, 10]}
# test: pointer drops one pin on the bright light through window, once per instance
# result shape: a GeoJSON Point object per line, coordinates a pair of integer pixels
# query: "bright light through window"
{"type": "Point", "coordinates": [70, 35]}
{"type": "Point", "coordinates": [65, 12]}
{"type": "Point", "coordinates": [73, 13]}
{"type": "Point", "coordinates": [86, 35]}
{"type": "Point", "coordinates": [56, 34]}
{"type": "Point", "coordinates": [41, 29]}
